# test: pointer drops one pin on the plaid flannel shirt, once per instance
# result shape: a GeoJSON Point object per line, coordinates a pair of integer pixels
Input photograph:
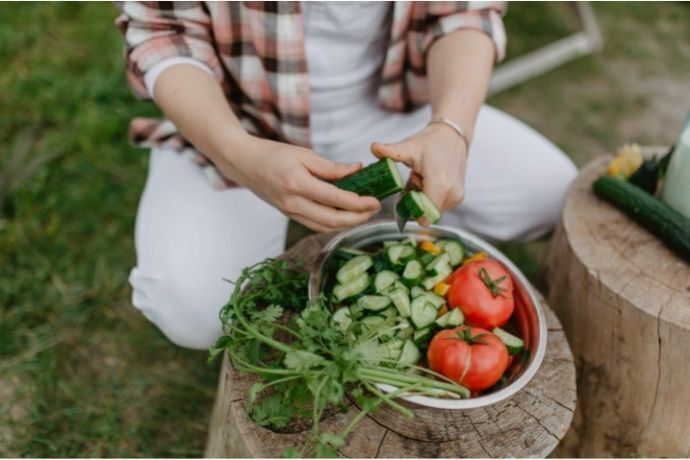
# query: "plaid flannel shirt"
{"type": "Point", "coordinates": [256, 52]}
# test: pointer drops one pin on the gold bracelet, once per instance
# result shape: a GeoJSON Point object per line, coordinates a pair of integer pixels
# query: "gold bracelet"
{"type": "Point", "coordinates": [455, 127]}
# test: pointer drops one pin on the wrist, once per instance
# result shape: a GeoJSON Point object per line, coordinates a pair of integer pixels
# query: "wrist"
{"type": "Point", "coordinates": [447, 136]}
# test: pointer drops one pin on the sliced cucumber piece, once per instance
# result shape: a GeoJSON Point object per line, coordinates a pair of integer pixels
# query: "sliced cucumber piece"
{"type": "Point", "coordinates": [384, 279]}
{"type": "Point", "coordinates": [454, 249]}
{"type": "Point", "coordinates": [389, 312]}
{"type": "Point", "coordinates": [423, 313]}
{"type": "Point", "coordinates": [415, 204]}
{"type": "Point", "coordinates": [353, 268]}
{"type": "Point", "coordinates": [453, 318]}
{"type": "Point", "coordinates": [435, 299]}
{"type": "Point", "coordinates": [393, 253]}
{"type": "Point", "coordinates": [374, 302]}
{"type": "Point", "coordinates": [421, 336]}
{"type": "Point", "coordinates": [397, 284]}
{"type": "Point", "coordinates": [417, 291]}
{"type": "Point", "coordinates": [410, 353]}
{"type": "Point", "coordinates": [346, 253]}
{"type": "Point", "coordinates": [514, 344]}
{"type": "Point", "coordinates": [401, 301]}
{"type": "Point", "coordinates": [370, 322]}
{"type": "Point", "coordinates": [440, 263]}
{"type": "Point", "coordinates": [432, 281]}
{"type": "Point", "coordinates": [413, 273]}
{"type": "Point", "coordinates": [406, 330]}
{"type": "Point", "coordinates": [342, 318]}
{"type": "Point", "coordinates": [389, 243]}
{"type": "Point", "coordinates": [352, 288]}
{"type": "Point", "coordinates": [392, 348]}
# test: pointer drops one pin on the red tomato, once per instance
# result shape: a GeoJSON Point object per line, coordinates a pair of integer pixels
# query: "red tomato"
{"type": "Point", "coordinates": [471, 356]}
{"type": "Point", "coordinates": [483, 290]}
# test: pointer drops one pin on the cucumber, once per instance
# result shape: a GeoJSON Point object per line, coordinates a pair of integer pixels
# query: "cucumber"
{"type": "Point", "coordinates": [410, 353]}
{"type": "Point", "coordinates": [374, 302]}
{"type": "Point", "coordinates": [514, 344]}
{"type": "Point", "coordinates": [380, 180]}
{"type": "Point", "coordinates": [413, 273]}
{"type": "Point", "coordinates": [389, 243]}
{"type": "Point", "coordinates": [406, 330]}
{"type": "Point", "coordinates": [401, 301]}
{"type": "Point", "coordinates": [421, 337]}
{"type": "Point", "coordinates": [353, 268]}
{"type": "Point", "coordinates": [431, 281]}
{"type": "Point", "coordinates": [342, 318]}
{"type": "Point", "coordinates": [453, 318]}
{"type": "Point", "coordinates": [454, 250]}
{"type": "Point", "coordinates": [346, 253]}
{"type": "Point", "coordinates": [352, 288]}
{"type": "Point", "coordinates": [392, 348]}
{"type": "Point", "coordinates": [440, 264]}
{"type": "Point", "coordinates": [384, 279]}
{"type": "Point", "coordinates": [672, 227]}
{"type": "Point", "coordinates": [425, 257]}
{"type": "Point", "coordinates": [370, 322]}
{"type": "Point", "coordinates": [400, 254]}
{"type": "Point", "coordinates": [389, 312]}
{"type": "Point", "coordinates": [415, 204]}
{"type": "Point", "coordinates": [423, 313]}
{"type": "Point", "coordinates": [435, 299]}
{"type": "Point", "coordinates": [417, 291]}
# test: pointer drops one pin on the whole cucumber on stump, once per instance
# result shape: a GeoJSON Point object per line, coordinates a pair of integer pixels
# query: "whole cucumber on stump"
{"type": "Point", "coordinates": [380, 180]}
{"type": "Point", "coordinates": [669, 225]}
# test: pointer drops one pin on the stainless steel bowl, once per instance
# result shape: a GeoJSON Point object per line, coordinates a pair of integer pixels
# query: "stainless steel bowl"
{"type": "Point", "coordinates": [528, 315]}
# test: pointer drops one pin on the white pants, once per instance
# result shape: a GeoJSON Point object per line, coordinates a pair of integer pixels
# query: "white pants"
{"type": "Point", "coordinates": [190, 237]}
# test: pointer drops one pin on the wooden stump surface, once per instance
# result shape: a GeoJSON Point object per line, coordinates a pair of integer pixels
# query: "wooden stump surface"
{"type": "Point", "coordinates": [624, 301]}
{"type": "Point", "coordinates": [531, 424]}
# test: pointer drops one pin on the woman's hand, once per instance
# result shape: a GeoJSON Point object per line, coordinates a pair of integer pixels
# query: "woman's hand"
{"type": "Point", "coordinates": [289, 178]}
{"type": "Point", "coordinates": [438, 158]}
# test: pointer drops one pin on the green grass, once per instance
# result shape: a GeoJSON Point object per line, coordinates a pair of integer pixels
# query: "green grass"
{"type": "Point", "coordinates": [81, 372]}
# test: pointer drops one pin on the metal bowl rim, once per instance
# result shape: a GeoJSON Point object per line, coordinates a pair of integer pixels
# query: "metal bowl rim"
{"type": "Point", "coordinates": [441, 403]}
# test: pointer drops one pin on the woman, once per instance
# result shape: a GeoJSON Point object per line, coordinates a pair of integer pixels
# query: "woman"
{"type": "Point", "coordinates": [279, 98]}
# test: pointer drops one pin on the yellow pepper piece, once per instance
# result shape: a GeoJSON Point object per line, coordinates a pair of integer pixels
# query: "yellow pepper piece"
{"type": "Point", "coordinates": [628, 160]}
{"type": "Point", "coordinates": [430, 247]}
{"type": "Point", "coordinates": [442, 311]}
{"type": "Point", "coordinates": [441, 289]}
{"type": "Point", "coordinates": [480, 255]}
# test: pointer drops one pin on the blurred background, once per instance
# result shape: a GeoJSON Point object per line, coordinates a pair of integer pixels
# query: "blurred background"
{"type": "Point", "coordinates": [81, 372]}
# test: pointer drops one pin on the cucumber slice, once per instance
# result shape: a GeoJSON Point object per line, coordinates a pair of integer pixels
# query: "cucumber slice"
{"type": "Point", "coordinates": [514, 344]}
{"type": "Point", "coordinates": [380, 180]}
{"type": "Point", "coordinates": [397, 284]}
{"type": "Point", "coordinates": [353, 268]}
{"type": "Point", "coordinates": [406, 330]}
{"type": "Point", "coordinates": [342, 318]}
{"type": "Point", "coordinates": [346, 253]}
{"type": "Point", "coordinates": [389, 243]}
{"type": "Point", "coordinates": [431, 281]}
{"type": "Point", "coordinates": [454, 250]}
{"type": "Point", "coordinates": [415, 204]}
{"type": "Point", "coordinates": [401, 301]}
{"type": "Point", "coordinates": [384, 279]}
{"type": "Point", "coordinates": [435, 299]}
{"type": "Point", "coordinates": [423, 313]}
{"type": "Point", "coordinates": [374, 302]}
{"type": "Point", "coordinates": [417, 291]}
{"type": "Point", "coordinates": [352, 288]}
{"type": "Point", "coordinates": [413, 273]}
{"type": "Point", "coordinates": [392, 348]}
{"type": "Point", "coordinates": [451, 319]}
{"type": "Point", "coordinates": [410, 353]}
{"type": "Point", "coordinates": [389, 312]}
{"type": "Point", "coordinates": [421, 337]}
{"type": "Point", "coordinates": [370, 322]}
{"type": "Point", "coordinates": [440, 263]}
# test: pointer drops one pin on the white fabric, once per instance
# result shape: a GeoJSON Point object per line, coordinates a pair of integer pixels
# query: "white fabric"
{"type": "Point", "coordinates": [154, 72]}
{"type": "Point", "coordinates": [189, 237]}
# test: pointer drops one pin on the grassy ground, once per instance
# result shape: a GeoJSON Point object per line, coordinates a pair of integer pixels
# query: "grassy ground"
{"type": "Point", "coordinates": [83, 374]}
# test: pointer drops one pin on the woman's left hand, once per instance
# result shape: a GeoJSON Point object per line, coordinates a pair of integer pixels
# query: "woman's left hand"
{"type": "Point", "coordinates": [437, 157]}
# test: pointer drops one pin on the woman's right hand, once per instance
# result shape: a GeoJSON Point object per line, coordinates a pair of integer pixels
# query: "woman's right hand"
{"type": "Point", "coordinates": [293, 179]}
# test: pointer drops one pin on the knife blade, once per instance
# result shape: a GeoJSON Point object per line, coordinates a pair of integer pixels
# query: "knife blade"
{"type": "Point", "coordinates": [399, 221]}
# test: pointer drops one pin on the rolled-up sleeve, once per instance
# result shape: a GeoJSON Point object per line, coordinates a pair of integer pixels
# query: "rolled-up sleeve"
{"type": "Point", "coordinates": [443, 18]}
{"type": "Point", "coordinates": [157, 31]}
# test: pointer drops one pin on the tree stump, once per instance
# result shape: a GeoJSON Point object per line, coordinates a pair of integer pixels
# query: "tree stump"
{"type": "Point", "coordinates": [624, 300]}
{"type": "Point", "coordinates": [531, 424]}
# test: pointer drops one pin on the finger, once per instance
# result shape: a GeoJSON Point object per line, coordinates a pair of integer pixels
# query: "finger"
{"type": "Point", "coordinates": [454, 198]}
{"type": "Point", "coordinates": [327, 169]}
{"type": "Point", "coordinates": [310, 224]}
{"type": "Point", "coordinates": [416, 181]}
{"type": "Point", "coordinates": [330, 195]}
{"type": "Point", "coordinates": [329, 218]}
{"type": "Point", "coordinates": [404, 152]}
